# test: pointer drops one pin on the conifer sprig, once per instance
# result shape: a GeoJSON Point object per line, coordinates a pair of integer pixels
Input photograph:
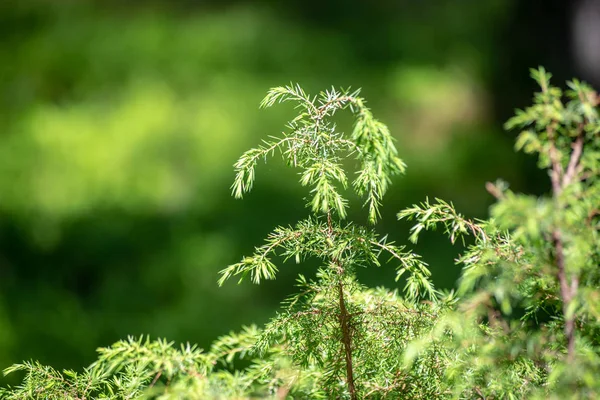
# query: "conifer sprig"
{"type": "Point", "coordinates": [320, 150]}
{"type": "Point", "coordinates": [316, 146]}
{"type": "Point", "coordinates": [350, 245]}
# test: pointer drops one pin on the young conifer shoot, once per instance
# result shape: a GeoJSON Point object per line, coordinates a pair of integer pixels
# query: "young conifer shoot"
{"type": "Point", "coordinates": [327, 308]}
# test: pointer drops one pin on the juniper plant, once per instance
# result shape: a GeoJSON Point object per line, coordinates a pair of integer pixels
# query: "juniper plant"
{"type": "Point", "coordinates": [530, 286]}
{"type": "Point", "coordinates": [336, 338]}
{"type": "Point", "coordinates": [524, 322]}
{"type": "Point", "coordinates": [315, 146]}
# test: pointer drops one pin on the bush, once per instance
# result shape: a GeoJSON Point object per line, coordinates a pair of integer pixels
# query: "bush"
{"type": "Point", "coordinates": [523, 323]}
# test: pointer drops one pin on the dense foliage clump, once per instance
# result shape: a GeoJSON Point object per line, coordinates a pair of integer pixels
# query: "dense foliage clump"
{"type": "Point", "coordinates": [523, 323]}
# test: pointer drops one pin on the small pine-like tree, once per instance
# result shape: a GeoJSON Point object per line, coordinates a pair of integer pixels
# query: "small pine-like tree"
{"type": "Point", "coordinates": [335, 325]}
{"type": "Point", "coordinates": [524, 323]}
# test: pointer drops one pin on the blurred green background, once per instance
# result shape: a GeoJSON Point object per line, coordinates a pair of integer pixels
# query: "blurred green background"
{"type": "Point", "coordinates": [120, 122]}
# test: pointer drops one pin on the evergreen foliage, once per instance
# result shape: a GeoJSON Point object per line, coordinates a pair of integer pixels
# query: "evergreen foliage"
{"type": "Point", "coordinates": [524, 322]}
{"type": "Point", "coordinates": [527, 324]}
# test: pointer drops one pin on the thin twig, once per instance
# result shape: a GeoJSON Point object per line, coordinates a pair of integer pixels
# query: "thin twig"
{"type": "Point", "coordinates": [156, 378]}
{"type": "Point", "coordinates": [574, 161]}
{"type": "Point", "coordinates": [566, 292]}
{"type": "Point", "coordinates": [557, 170]}
{"type": "Point", "coordinates": [568, 287]}
{"type": "Point", "coordinates": [560, 180]}
{"type": "Point", "coordinates": [344, 318]}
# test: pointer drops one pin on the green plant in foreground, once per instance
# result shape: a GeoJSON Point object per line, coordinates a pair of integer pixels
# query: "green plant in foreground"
{"type": "Point", "coordinates": [335, 323]}
{"type": "Point", "coordinates": [528, 322]}
{"type": "Point", "coordinates": [525, 322]}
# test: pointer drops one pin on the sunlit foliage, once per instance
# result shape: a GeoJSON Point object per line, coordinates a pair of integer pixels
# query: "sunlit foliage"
{"type": "Point", "coordinates": [523, 323]}
{"type": "Point", "coordinates": [528, 323]}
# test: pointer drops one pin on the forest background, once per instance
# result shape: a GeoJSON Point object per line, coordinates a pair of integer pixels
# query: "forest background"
{"type": "Point", "coordinates": [120, 122]}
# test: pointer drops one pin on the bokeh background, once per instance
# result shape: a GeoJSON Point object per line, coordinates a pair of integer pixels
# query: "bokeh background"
{"type": "Point", "coordinates": [120, 122]}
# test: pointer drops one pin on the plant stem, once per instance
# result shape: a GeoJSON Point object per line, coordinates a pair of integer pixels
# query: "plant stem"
{"type": "Point", "coordinates": [347, 341]}
{"type": "Point", "coordinates": [344, 319]}
{"type": "Point", "coordinates": [568, 287]}
{"type": "Point", "coordinates": [566, 292]}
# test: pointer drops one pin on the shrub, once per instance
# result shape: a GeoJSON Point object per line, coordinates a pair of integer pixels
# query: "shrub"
{"type": "Point", "coordinates": [524, 322]}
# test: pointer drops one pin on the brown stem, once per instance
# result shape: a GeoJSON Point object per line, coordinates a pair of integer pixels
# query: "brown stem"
{"type": "Point", "coordinates": [568, 287]}
{"type": "Point", "coordinates": [156, 377]}
{"type": "Point", "coordinates": [557, 170]}
{"type": "Point", "coordinates": [575, 157]}
{"type": "Point", "coordinates": [566, 292]}
{"type": "Point", "coordinates": [344, 319]}
{"type": "Point", "coordinates": [347, 341]}
{"type": "Point", "coordinates": [493, 190]}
